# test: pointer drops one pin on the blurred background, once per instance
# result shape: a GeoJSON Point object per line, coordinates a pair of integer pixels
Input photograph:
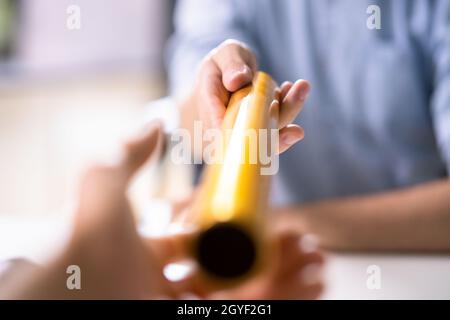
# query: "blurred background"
{"type": "Point", "coordinates": [67, 95]}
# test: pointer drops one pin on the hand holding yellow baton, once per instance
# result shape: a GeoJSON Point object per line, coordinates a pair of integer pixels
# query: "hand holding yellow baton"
{"type": "Point", "coordinates": [230, 207]}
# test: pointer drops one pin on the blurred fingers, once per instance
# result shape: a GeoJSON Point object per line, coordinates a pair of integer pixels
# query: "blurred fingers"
{"type": "Point", "coordinates": [293, 97]}
{"type": "Point", "coordinates": [171, 248]}
{"type": "Point", "coordinates": [211, 95]}
{"type": "Point", "coordinates": [284, 88]}
{"type": "Point", "coordinates": [139, 148]}
{"type": "Point", "coordinates": [236, 63]}
{"type": "Point", "coordinates": [290, 135]}
{"type": "Point", "coordinates": [226, 69]}
{"type": "Point", "coordinates": [103, 185]}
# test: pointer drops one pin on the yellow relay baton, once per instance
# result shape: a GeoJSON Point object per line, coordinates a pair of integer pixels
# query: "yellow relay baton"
{"type": "Point", "coordinates": [229, 209]}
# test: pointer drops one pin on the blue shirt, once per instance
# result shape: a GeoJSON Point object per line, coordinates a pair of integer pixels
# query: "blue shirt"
{"type": "Point", "coordinates": [378, 116]}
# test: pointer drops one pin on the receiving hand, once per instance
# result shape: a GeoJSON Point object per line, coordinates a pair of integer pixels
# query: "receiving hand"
{"type": "Point", "coordinates": [119, 263]}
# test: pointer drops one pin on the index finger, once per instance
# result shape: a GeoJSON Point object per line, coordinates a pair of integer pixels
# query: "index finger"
{"type": "Point", "coordinates": [293, 98]}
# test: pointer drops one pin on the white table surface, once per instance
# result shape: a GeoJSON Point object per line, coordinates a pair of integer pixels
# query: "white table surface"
{"type": "Point", "coordinates": [402, 276]}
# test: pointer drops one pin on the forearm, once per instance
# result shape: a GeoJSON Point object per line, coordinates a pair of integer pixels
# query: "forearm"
{"type": "Point", "coordinates": [415, 218]}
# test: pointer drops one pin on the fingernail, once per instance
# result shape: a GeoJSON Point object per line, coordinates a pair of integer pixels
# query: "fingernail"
{"type": "Point", "coordinates": [309, 243]}
{"type": "Point", "coordinates": [312, 273]}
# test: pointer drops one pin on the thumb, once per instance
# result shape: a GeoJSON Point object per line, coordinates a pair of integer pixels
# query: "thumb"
{"type": "Point", "coordinates": [139, 148]}
{"type": "Point", "coordinates": [237, 64]}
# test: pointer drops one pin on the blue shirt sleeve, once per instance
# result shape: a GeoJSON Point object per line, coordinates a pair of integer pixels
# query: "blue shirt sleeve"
{"type": "Point", "coordinates": [440, 100]}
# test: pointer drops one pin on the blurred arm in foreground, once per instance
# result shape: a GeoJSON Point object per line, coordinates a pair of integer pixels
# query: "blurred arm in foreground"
{"type": "Point", "coordinates": [117, 263]}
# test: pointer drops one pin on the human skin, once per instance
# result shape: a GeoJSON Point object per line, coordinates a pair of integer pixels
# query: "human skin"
{"type": "Point", "coordinates": [118, 263]}
{"type": "Point", "coordinates": [412, 218]}
{"type": "Point", "coordinates": [226, 69]}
